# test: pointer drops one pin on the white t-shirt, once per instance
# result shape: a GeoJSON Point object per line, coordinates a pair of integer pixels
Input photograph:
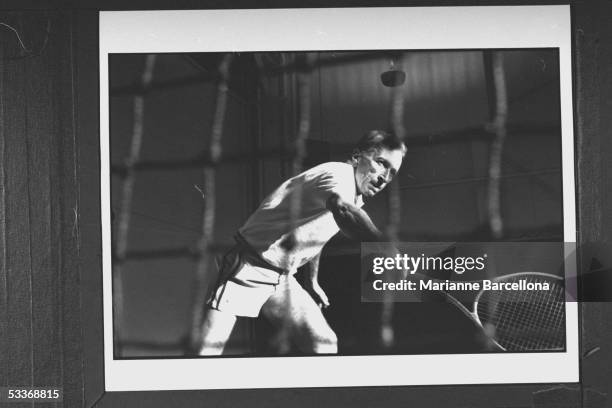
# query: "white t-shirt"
{"type": "Point", "coordinates": [270, 224]}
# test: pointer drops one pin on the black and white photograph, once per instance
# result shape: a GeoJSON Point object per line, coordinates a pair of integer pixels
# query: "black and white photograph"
{"type": "Point", "coordinates": [203, 244]}
{"type": "Point", "coordinates": [209, 204]}
{"type": "Point", "coordinates": [242, 186]}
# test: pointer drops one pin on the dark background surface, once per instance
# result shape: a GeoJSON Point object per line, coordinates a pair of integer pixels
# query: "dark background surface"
{"type": "Point", "coordinates": [49, 219]}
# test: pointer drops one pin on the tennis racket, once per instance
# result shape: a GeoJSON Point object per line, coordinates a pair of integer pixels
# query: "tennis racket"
{"type": "Point", "coordinates": [520, 320]}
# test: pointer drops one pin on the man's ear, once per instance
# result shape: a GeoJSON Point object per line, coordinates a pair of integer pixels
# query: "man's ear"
{"type": "Point", "coordinates": [355, 157]}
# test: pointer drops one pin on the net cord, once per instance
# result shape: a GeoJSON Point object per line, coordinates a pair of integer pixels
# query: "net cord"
{"type": "Point", "coordinates": [387, 333]}
{"type": "Point", "coordinates": [125, 204]}
{"type": "Point", "coordinates": [208, 191]}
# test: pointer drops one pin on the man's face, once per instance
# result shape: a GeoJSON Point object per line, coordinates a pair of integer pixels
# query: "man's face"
{"type": "Point", "coordinates": [375, 169]}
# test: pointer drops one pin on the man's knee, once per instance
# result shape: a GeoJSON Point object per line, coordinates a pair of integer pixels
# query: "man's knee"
{"type": "Point", "coordinates": [212, 348]}
{"type": "Point", "coordinates": [327, 344]}
{"type": "Point", "coordinates": [213, 341]}
{"type": "Point", "coordinates": [216, 330]}
{"type": "Point", "coordinates": [323, 341]}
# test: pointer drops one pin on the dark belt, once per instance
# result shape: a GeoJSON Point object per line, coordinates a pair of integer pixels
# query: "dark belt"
{"type": "Point", "coordinates": [236, 257]}
{"type": "Point", "coordinates": [250, 254]}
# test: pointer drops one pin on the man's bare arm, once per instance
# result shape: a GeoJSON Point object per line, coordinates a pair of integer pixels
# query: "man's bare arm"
{"type": "Point", "coordinates": [312, 282]}
{"type": "Point", "coordinates": [353, 221]}
{"type": "Point", "coordinates": [357, 225]}
{"type": "Point", "coordinates": [313, 267]}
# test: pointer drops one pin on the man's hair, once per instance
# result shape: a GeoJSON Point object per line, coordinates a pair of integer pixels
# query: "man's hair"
{"type": "Point", "coordinates": [376, 139]}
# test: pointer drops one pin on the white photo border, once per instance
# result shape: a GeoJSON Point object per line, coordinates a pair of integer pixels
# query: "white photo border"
{"type": "Point", "coordinates": [411, 28]}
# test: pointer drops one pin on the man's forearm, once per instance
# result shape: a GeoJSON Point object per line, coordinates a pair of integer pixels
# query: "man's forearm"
{"type": "Point", "coordinates": [353, 221]}
{"type": "Point", "coordinates": [312, 283]}
{"type": "Point", "coordinates": [313, 268]}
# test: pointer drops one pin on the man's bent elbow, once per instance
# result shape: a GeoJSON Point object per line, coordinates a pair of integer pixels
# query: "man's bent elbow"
{"type": "Point", "coordinates": [334, 203]}
{"type": "Point", "coordinates": [339, 210]}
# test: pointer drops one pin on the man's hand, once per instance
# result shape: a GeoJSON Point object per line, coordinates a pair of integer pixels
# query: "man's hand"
{"type": "Point", "coordinates": [311, 283]}
{"type": "Point", "coordinates": [318, 294]}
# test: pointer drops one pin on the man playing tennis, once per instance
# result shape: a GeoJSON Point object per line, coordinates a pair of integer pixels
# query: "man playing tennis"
{"type": "Point", "coordinates": [257, 274]}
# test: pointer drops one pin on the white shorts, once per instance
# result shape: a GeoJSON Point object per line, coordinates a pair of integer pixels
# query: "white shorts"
{"type": "Point", "coordinates": [243, 287]}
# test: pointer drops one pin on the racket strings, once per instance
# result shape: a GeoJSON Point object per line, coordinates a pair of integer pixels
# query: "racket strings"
{"type": "Point", "coordinates": [508, 312]}
{"type": "Point", "coordinates": [528, 335]}
{"type": "Point", "coordinates": [526, 319]}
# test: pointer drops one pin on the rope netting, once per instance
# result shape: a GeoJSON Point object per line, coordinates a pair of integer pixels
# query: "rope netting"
{"type": "Point", "coordinates": [282, 340]}
{"type": "Point", "coordinates": [127, 191]}
{"type": "Point", "coordinates": [499, 127]}
{"type": "Point", "coordinates": [209, 196]}
{"type": "Point", "coordinates": [205, 256]}
{"type": "Point", "coordinates": [387, 335]}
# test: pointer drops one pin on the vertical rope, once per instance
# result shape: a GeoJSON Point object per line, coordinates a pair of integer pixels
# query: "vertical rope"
{"type": "Point", "coordinates": [397, 122]}
{"type": "Point", "coordinates": [499, 127]}
{"type": "Point", "coordinates": [209, 196]}
{"type": "Point", "coordinates": [127, 190]}
{"type": "Point", "coordinates": [304, 78]}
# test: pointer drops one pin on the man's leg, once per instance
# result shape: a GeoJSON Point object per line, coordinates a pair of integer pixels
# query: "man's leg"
{"type": "Point", "coordinates": [291, 308]}
{"type": "Point", "coordinates": [217, 329]}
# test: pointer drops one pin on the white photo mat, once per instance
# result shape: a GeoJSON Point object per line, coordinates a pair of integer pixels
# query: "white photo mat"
{"type": "Point", "coordinates": [338, 29]}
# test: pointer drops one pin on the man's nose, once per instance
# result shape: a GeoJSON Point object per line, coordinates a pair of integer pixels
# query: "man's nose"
{"type": "Point", "coordinates": [382, 179]}
{"type": "Point", "coordinates": [385, 177]}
